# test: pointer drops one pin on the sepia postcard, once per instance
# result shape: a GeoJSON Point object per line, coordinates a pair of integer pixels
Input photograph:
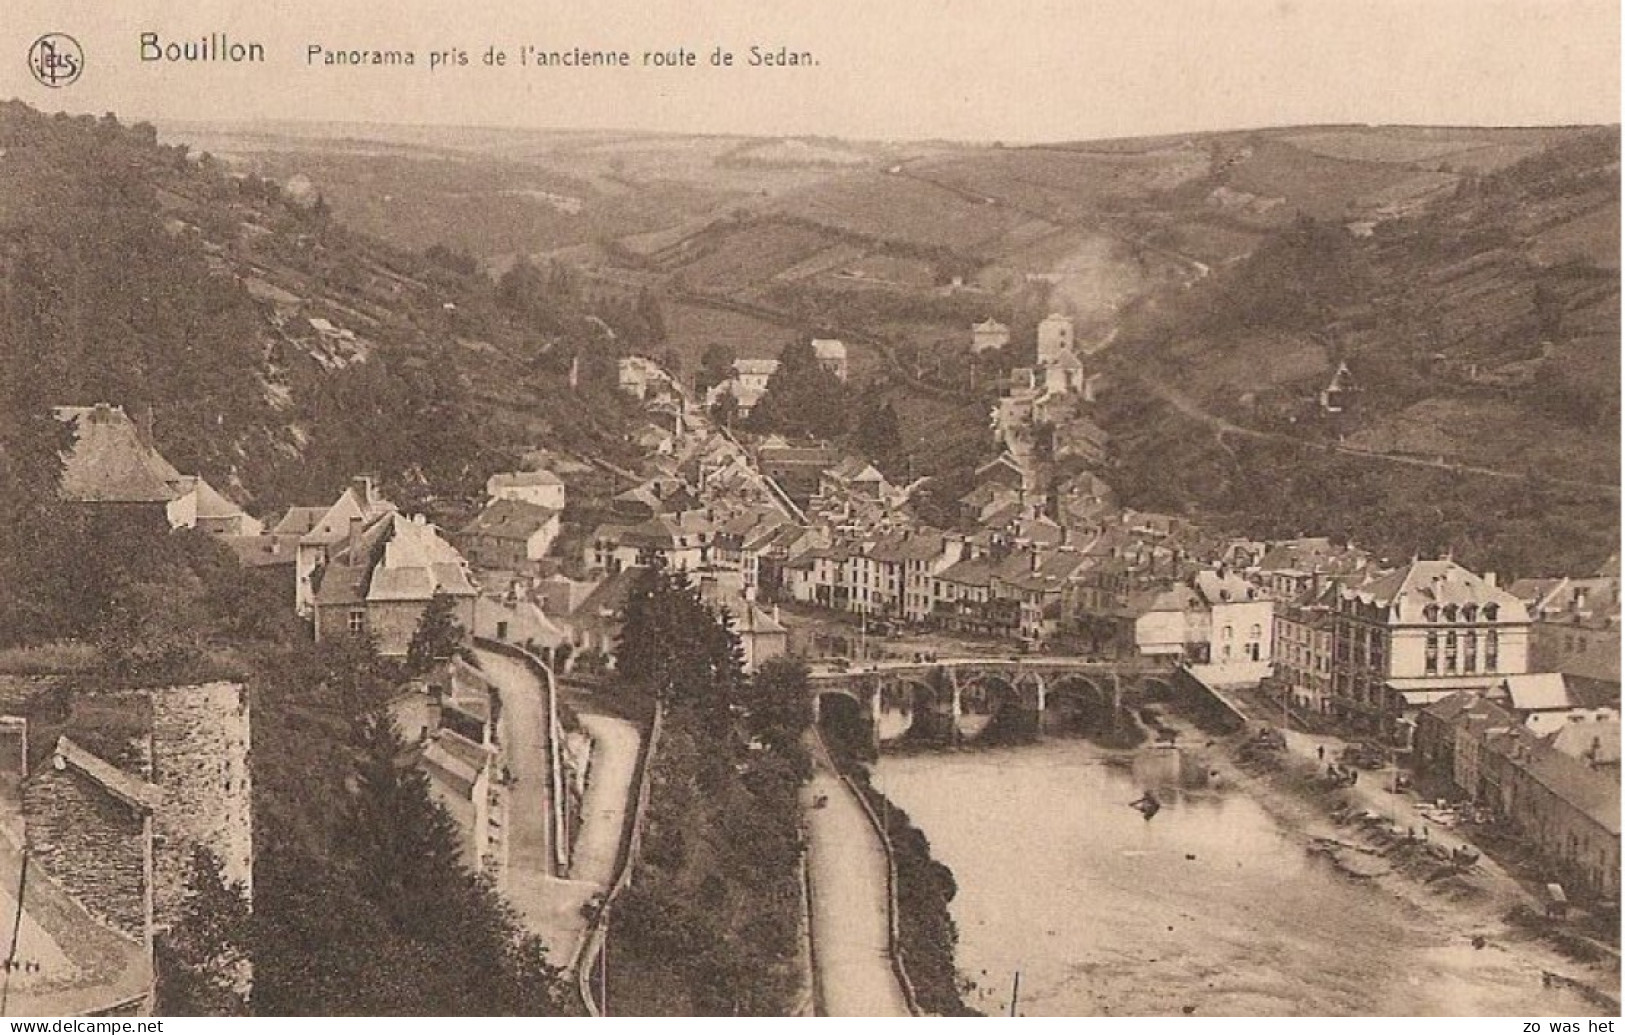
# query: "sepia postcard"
{"type": "Point", "coordinates": [813, 508]}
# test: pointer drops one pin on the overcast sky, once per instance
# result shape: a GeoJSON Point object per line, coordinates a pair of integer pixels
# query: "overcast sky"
{"type": "Point", "coordinates": [1020, 70]}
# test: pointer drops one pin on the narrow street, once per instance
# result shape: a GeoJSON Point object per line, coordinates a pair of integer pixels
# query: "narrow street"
{"type": "Point", "coordinates": [847, 870]}
{"type": "Point", "coordinates": [610, 787]}
{"type": "Point", "coordinates": [550, 907]}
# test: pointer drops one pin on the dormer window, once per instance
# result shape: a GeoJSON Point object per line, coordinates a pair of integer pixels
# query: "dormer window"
{"type": "Point", "coordinates": [1431, 612]}
{"type": "Point", "coordinates": [1491, 611]}
{"type": "Point", "coordinates": [1469, 613]}
{"type": "Point", "coordinates": [1450, 612]}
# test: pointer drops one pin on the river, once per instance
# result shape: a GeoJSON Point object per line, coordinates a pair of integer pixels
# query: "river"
{"type": "Point", "coordinates": [1210, 908]}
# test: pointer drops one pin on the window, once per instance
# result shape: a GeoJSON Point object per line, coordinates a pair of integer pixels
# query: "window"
{"type": "Point", "coordinates": [1492, 647]}
{"type": "Point", "coordinates": [1229, 633]}
{"type": "Point", "coordinates": [1255, 632]}
{"type": "Point", "coordinates": [1491, 611]}
{"type": "Point", "coordinates": [357, 622]}
{"type": "Point", "coordinates": [1431, 612]}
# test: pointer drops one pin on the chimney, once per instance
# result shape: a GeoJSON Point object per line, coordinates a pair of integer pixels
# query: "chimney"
{"type": "Point", "coordinates": [361, 487]}
{"type": "Point", "coordinates": [355, 538]}
{"type": "Point", "coordinates": [1489, 579]}
{"type": "Point", "coordinates": [146, 425]}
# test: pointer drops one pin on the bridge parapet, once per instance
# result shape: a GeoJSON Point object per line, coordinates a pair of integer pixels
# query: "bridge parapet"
{"type": "Point", "coordinates": [960, 698]}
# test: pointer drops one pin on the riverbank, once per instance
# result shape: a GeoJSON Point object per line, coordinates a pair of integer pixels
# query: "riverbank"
{"type": "Point", "coordinates": [926, 934]}
{"type": "Point", "coordinates": [1212, 907]}
{"type": "Point", "coordinates": [1371, 836]}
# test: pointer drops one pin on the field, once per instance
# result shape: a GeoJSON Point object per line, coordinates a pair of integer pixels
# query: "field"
{"type": "Point", "coordinates": [734, 261]}
{"type": "Point", "coordinates": [897, 209]}
{"type": "Point", "coordinates": [1592, 238]}
{"type": "Point", "coordinates": [1325, 188]}
{"type": "Point", "coordinates": [690, 328]}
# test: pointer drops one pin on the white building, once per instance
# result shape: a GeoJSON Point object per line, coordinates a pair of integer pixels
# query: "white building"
{"type": "Point", "coordinates": [988, 335]}
{"type": "Point", "coordinates": [831, 355]}
{"type": "Point", "coordinates": [1055, 336]}
{"type": "Point", "coordinates": [542, 488]}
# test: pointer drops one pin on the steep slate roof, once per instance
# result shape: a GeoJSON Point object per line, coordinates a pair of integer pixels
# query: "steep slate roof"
{"type": "Point", "coordinates": [357, 500]}
{"type": "Point", "coordinates": [1597, 741]}
{"type": "Point", "coordinates": [971, 571]}
{"type": "Point", "coordinates": [109, 463]}
{"type": "Point", "coordinates": [521, 480]}
{"type": "Point", "coordinates": [1442, 581]}
{"type": "Point", "coordinates": [923, 545]}
{"type": "Point", "coordinates": [1228, 587]}
{"type": "Point", "coordinates": [1537, 692]}
{"type": "Point", "coordinates": [1448, 708]}
{"type": "Point", "coordinates": [510, 519]}
{"type": "Point", "coordinates": [1595, 793]}
{"type": "Point", "coordinates": [210, 504]}
{"type": "Point", "coordinates": [299, 520]}
{"type": "Point", "coordinates": [397, 558]}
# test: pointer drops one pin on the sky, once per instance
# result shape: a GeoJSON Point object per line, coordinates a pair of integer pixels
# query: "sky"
{"type": "Point", "coordinates": [981, 70]}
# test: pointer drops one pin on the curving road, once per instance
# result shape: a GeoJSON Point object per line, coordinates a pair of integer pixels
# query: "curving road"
{"type": "Point", "coordinates": [610, 780]}
{"type": "Point", "coordinates": [550, 906]}
{"type": "Point", "coordinates": [846, 867]}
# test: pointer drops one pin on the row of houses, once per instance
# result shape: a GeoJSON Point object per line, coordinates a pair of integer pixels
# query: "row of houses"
{"type": "Point", "coordinates": [1542, 756]}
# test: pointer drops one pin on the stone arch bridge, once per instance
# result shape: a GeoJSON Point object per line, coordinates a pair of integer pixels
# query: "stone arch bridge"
{"type": "Point", "coordinates": [960, 700]}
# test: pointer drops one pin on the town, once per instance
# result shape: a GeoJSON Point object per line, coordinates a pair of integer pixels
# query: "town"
{"type": "Point", "coordinates": [649, 626]}
{"type": "Point", "coordinates": [1502, 701]}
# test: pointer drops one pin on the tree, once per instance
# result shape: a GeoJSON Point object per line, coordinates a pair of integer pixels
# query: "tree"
{"type": "Point", "coordinates": [439, 637]}
{"type": "Point", "coordinates": [716, 366]}
{"type": "Point", "coordinates": [202, 961]}
{"type": "Point", "coordinates": [684, 652]}
{"type": "Point", "coordinates": [879, 432]}
{"type": "Point", "coordinates": [778, 704]}
{"type": "Point", "coordinates": [802, 397]}
{"type": "Point", "coordinates": [725, 410]}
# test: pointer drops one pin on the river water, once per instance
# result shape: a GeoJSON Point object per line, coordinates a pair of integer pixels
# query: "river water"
{"type": "Point", "coordinates": [1209, 908]}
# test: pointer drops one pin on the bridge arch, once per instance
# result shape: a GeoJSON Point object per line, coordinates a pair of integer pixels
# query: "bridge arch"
{"type": "Point", "coordinates": [1074, 703]}
{"type": "Point", "coordinates": [844, 722]}
{"type": "Point", "coordinates": [901, 702]}
{"type": "Point", "coordinates": [986, 699]}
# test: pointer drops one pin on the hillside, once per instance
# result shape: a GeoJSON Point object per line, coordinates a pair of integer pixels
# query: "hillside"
{"type": "Point", "coordinates": [1468, 277]}
{"type": "Point", "coordinates": [279, 349]}
{"type": "Point", "coordinates": [1480, 331]}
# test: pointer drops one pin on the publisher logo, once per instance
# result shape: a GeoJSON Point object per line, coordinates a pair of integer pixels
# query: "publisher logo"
{"type": "Point", "coordinates": [56, 59]}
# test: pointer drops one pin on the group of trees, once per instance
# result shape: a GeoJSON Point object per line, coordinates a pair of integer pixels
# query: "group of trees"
{"type": "Point", "coordinates": [552, 301]}
{"type": "Point", "coordinates": [805, 400]}
{"type": "Point", "coordinates": [710, 925]}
